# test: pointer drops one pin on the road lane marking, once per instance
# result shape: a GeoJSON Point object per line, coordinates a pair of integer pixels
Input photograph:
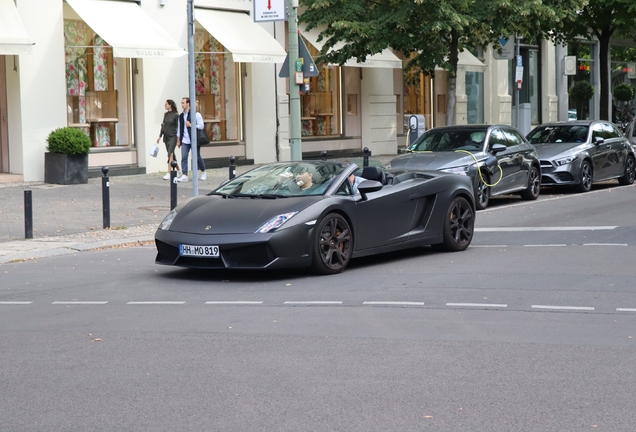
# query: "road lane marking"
{"type": "Point", "coordinates": [488, 305]}
{"type": "Point", "coordinates": [79, 302]}
{"type": "Point", "coordinates": [314, 302]}
{"type": "Point", "coordinates": [605, 244]}
{"type": "Point", "coordinates": [15, 302]}
{"type": "Point", "coordinates": [393, 303]}
{"type": "Point", "coordinates": [546, 245]}
{"type": "Point", "coordinates": [155, 302]}
{"type": "Point", "coordinates": [488, 246]}
{"type": "Point", "coordinates": [582, 308]}
{"type": "Point", "coordinates": [625, 309]}
{"type": "Point", "coordinates": [238, 302]}
{"type": "Point", "coordinates": [519, 229]}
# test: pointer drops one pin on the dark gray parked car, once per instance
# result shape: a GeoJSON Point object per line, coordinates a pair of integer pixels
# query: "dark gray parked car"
{"type": "Point", "coordinates": [579, 153]}
{"type": "Point", "coordinates": [497, 158]}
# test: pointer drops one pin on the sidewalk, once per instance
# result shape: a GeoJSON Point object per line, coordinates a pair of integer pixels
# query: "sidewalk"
{"type": "Point", "coordinates": [68, 219]}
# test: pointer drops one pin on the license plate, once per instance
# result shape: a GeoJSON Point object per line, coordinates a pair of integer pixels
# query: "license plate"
{"type": "Point", "coordinates": [199, 251]}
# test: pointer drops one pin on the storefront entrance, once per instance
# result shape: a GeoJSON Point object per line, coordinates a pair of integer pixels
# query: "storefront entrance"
{"type": "Point", "coordinates": [4, 128]}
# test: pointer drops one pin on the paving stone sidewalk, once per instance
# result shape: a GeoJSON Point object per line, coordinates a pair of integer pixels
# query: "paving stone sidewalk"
{"type": "Point", "coordinates": [68, 219]}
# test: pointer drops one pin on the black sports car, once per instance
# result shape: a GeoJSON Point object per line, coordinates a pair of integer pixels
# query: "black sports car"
{"type": "Point", "coordinates": [317, 214]}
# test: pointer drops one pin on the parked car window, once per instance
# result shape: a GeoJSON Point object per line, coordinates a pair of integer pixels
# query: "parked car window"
{"type": "Point", "coordinates": [513, 137]}
{"type": "Point", "coordinates": [345, 188]}
{"type": "Point", "coordinates": [557, 134]}
{"type": "Point", "coordinates": [598, 131]}
{"type": "Point", "coordinates": [497, 137]}
{"type": "Point", "coordinates": [442, 139]}
{"type": "Point", "coordinates": [612, 132]}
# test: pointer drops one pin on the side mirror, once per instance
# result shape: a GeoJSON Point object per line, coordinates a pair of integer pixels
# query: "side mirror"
{"type": "Point", "coordinates": [496, 148]}
{"type": "Point", "coordinates": [368, 186]}
{"type": "Point", "coordinates": [599, 140]}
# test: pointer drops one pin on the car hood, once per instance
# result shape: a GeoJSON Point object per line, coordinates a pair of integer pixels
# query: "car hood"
{"type": "Point", "coordinates": [549, 151]}
{"type": "Point", "coordinates": [434, 160]}
{"type": "Point", "coordinates": [233, 215]}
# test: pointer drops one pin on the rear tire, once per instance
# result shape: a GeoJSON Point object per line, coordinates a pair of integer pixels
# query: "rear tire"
{"type": "Point", "coordinates": [333, 245]}
{"type": "Point", "coordinates": [534, 185]}
{"type": "Point", "coordinates": [629, 173]}
{"type": "Point", "coordinates": [482, 192]}
{"type": "Point", "coordinates": [459, 226]}
{"type": "Point", "coordinates": [587, 177]}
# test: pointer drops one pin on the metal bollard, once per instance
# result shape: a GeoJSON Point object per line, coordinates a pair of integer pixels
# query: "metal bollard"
{"type": "Point", "coordinates": [105, 198]}
{"type": "Point", "coordinates": [365, 159]}
{"type": "Point", "coordinates": [323, 154]}
{"type": "Point", "coordinates": [173, 184]}
{"type": "Point", "coordinates": [28, 214]}
{"type": "Point", "coordinates": [232, 167]}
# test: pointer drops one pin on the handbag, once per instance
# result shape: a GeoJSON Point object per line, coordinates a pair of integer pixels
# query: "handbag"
{"type": "Point", "coordinates": [202, 137]}
{"type": "Point", "coordinates": [154, 150]}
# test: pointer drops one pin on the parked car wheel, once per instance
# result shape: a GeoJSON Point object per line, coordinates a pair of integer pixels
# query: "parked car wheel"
{"type": "Point", "coordinates": [628, 176]}
{"type": "Point", "coordinates": [534, 185]}
{"type": "Point", "coordinates": [458, 226]}
{"type": "Point", "coordinates": [482, 191]}
{"type": "Point", "coordinates": [587, 177]}
{"type": "Point", "coordinates": [333, 245]}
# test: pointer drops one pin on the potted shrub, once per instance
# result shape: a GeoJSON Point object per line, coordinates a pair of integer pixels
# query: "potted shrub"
{"type": "Point", "coordinates": [624, 92]}
{"type": "Point", "coordinates": [66, 161]}
{"type": "Point", "coordinates": [581, 92]}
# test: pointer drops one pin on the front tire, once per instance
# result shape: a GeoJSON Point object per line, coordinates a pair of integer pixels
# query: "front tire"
{"type": "Point", "coordinates": [534, 185]}
{"type": "Point", "coordinates": [587, 177]}
{"type": "Point", "coordinates": [482, 192]}
{"type": "Point", "coordinates": [459, 226]}
{"type": "Point", "coordinates": [333, 245]}
{"type": "Point", "coordinates": [630, 172]}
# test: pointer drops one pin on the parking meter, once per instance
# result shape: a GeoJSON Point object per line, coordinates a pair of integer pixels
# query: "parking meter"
{"type": "Point", "coordinates": [417, 127]}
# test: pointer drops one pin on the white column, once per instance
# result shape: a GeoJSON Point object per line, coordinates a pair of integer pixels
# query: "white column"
{"type": "Point", "coordinates": [260, 112]}
{"type": "Point", "coordinates": [379, 128]}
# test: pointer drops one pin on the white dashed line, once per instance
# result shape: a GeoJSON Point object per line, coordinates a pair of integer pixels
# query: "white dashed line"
{"type": "Point", "coordinates": [605, 244]}
{"type": "Point", "coordinates": [15, 302]}
{"type": "Point", "coordinates": [488, 246]}
{"type": "Point", "coordinates": [314, 302]}
{"type": "Point", "coordinates": [393, 303]}
{"type": "Point", "coordinates": [155, 303]}
{"type": "Point", "coordinates": [79, 302]}
{"type": "Point", "coordinates": [546, 245]}
{"type": "Point", "coordinates": [518, 229]}
{"type": "Point", "coordinates": [487, 305]}
{"type": "Point", "coordinates": [232, 302]}
{"type": "Point", "coordinates": [583, 308]}
{"type": "Point", "coordinates": [625, 309]}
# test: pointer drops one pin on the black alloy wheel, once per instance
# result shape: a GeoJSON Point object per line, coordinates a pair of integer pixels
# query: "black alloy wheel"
{"type": "Point", "coordinates": [630, 172]}
{"type": "Point", "coordinates": [587, 177]}
{"type": "Point", "coordinates": [482, 191]}
{"type": "Point", "coordinates": [458, 226]}
{"type": "Point", "coordinates": [534, 185]}
{"type": "Point", "coordinates": [333, 245]}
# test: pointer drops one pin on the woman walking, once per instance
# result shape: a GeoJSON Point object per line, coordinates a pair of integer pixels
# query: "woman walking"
{"type": "Point", "coordinates": [169, 133]}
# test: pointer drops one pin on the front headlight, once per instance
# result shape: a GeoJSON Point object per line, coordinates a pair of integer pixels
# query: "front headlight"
{"type": "Point", "coordinates": [167, 221]}
{"type": "Point", "coordinates": [463, 170]}
{"type": "Point", "coordinates": [564, 161]}
{"type": "Point", "coordinates": [275, 223]}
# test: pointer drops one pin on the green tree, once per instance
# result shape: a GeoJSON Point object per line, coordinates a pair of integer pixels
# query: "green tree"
{"type": "Point", "coordinates": [429, 32]}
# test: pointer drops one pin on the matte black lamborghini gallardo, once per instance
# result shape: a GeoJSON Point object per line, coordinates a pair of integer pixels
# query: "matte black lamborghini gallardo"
{"type": "Point", "coordinates": [317, 214]}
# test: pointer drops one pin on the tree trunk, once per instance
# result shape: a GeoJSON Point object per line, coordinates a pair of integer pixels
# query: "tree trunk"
{"type": "Point", "coordinates": [604, 66]}
{"type": "Point", "coordinates": [453, 59]}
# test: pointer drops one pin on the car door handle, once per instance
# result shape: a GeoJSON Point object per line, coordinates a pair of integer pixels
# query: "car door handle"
{"type": "Point", "coordinates": [608, 146]}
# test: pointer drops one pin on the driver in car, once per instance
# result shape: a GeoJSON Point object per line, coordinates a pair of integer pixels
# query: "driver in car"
{"type": "Point", "coordinates": [307, 179]}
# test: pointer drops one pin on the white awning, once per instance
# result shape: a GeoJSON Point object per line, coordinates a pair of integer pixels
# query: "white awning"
{"type": "Point", "coordinates": [13, 37]}
{"type": "Point", "coordinates": [384, 59]}
{"type": "Point", "coordinates": [467, 62]}
{"type": "Point", "coordinates": [127, 28]}
{"type": "Point", "coordinates": [239, 34]}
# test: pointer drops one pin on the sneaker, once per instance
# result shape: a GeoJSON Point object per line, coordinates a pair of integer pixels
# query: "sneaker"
{"type": "Point", "coordinates": [204, 176]}
{"type": "Point", "coordinates": [183, 178]}
{"type": "Point", "coordinates": [166, 177]}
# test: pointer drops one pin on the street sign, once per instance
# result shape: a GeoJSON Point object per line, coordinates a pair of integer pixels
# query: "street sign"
{"type": "Point", "coordinates": [309, 68]}
{"type": "Point", "coordinates": [507, 49]}
{"type": "Point", "coordinates": [269, 10]}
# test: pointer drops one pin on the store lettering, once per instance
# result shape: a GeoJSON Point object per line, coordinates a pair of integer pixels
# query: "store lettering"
{"type": "Point", "coordinates": [149, 53]}
{"type": "Point", "coordinates": [263, 59]}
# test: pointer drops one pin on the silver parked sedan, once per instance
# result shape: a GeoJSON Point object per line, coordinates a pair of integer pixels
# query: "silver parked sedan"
{"type": "Point", "coordinates": [579, 153]}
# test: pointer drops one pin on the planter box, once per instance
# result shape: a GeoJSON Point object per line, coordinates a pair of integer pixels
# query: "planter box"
{"type": "Point", "coordinates": [65, 169]}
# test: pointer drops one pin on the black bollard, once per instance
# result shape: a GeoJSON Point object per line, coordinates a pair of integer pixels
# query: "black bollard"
{"type": "Point", "coordinates": [173, 184]}
{"type": "Point", "coordinates": [232, 168]}
{"type": "Point", "coordinates": [105, 198]}
{"type": "Point", "coordinates": [28, 214]}
{"type": "Point", "coordinates": [365, 159]}
{"type": "Point", "coordinates": [323, 154]}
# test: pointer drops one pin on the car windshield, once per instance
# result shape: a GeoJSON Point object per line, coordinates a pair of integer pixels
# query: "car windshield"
{"type": "Point", "coordinates": [283, 180]}
{"type": "Point", "coordinates": [558, 134]}
{"type": "Point", "coordinates": [439, 140]}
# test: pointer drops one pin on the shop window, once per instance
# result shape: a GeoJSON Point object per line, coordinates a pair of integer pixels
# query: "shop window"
{"type": "Point", "coordinates": [475, 97]}
{"type": "Point", "coordinates": [352, 104]}
{"type": "Point", "coordinates": [97, 87]}
{"type": "Point", "coordinates": [218, 86]}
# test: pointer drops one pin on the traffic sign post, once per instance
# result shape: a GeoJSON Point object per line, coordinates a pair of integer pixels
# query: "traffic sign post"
{"type": "Point", "coordinates": [295, 142]}
{"type": "Point", "coordinates": [507, 46]}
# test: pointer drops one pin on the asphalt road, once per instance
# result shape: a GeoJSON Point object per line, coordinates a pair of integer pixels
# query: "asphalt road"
{"type": "Point", "coordinates": [531, 329]}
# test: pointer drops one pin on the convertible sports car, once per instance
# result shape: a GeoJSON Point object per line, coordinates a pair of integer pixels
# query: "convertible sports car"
{"type": "Point", "coordinates": [317, 214]}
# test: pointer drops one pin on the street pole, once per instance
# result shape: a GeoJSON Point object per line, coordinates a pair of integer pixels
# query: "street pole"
{"type": "Point", "coordinates": [193, 99]}
{"type": "Point", "coordinates": [518, 51]}
{"type": "Point", "coordinates": [294, 90]}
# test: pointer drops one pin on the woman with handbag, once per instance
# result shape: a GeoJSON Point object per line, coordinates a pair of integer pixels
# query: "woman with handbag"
{"type": "Point", "coordinates": [169, 129]}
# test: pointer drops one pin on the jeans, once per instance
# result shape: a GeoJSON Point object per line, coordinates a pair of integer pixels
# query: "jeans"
{"type": "Point", "coordinates": [185, 152]}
